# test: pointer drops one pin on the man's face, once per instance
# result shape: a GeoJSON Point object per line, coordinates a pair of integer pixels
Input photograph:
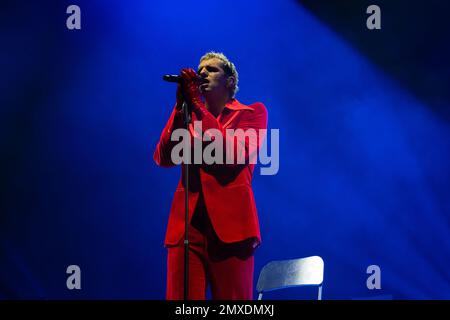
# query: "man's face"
{"type": "Point", "coordinates": [215, 78]}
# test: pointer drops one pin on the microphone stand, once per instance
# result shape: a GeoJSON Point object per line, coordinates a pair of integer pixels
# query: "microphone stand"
{"type": "Point", "coordinates": [187, 120]}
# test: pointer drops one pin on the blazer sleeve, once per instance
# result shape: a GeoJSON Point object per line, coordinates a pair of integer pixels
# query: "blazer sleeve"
{"type": "Point", "coordinates": [163, 150]}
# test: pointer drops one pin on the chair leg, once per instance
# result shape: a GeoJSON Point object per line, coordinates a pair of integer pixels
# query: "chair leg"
{"type": "Point", "coordinates": [260, 296]}
{"type": "Point", "coordinates": [320, 293]}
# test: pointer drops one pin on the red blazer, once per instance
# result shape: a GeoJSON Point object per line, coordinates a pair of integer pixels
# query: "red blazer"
{"type": "Point", "coordinates": [226, 188]}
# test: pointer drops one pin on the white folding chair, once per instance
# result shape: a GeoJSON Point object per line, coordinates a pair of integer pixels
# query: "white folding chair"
{"type": "Point", "coordinates": [291, 273]}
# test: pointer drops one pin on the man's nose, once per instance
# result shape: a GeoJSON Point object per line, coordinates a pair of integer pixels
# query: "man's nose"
{"type": "Point", "coordinates": [203, 73]}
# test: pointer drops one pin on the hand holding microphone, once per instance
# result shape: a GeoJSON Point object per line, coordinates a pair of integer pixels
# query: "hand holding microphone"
{"type": "Point", "coordinates": [188, 82]}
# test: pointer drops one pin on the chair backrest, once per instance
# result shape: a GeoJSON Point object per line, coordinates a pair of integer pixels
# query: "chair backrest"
{"type": "Point", "coordinates": [291, 273]}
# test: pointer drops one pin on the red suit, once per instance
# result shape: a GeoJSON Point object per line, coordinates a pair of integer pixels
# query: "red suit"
{"type": "Point", "coordinates": [226, 188]}
{"type": "Point", "coordinates": [221, 197]}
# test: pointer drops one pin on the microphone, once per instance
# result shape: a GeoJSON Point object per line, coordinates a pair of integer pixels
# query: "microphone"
{"type": "Point", "coordinates": [172, 78]}
{"type": "Point", "coordinates": [178, 79]}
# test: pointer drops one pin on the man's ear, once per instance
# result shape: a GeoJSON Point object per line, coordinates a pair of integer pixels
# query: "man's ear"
{"type": "Point", "coordinates": [231, 81]}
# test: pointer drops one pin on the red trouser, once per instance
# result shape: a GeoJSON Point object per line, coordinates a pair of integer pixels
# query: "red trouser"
{"type": "Point", "coordinates": [226, 267]}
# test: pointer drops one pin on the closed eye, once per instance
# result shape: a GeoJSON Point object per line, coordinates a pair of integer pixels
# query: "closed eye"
{"type": "Point", "coordinates": [208, 68]}
{"type": "Point", "coordinates": [212, 69]}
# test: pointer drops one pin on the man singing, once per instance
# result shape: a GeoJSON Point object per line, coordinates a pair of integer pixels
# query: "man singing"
{"type": "Point", "coordinates": [223, 222]}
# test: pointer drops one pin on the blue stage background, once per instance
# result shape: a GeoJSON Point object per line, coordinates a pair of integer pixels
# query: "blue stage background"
{"type": "Point", "coordinates": [364, 175]}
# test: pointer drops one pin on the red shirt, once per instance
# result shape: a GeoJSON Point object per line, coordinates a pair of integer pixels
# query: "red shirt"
{"type": "Point", "coordinates": [226, 188]}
